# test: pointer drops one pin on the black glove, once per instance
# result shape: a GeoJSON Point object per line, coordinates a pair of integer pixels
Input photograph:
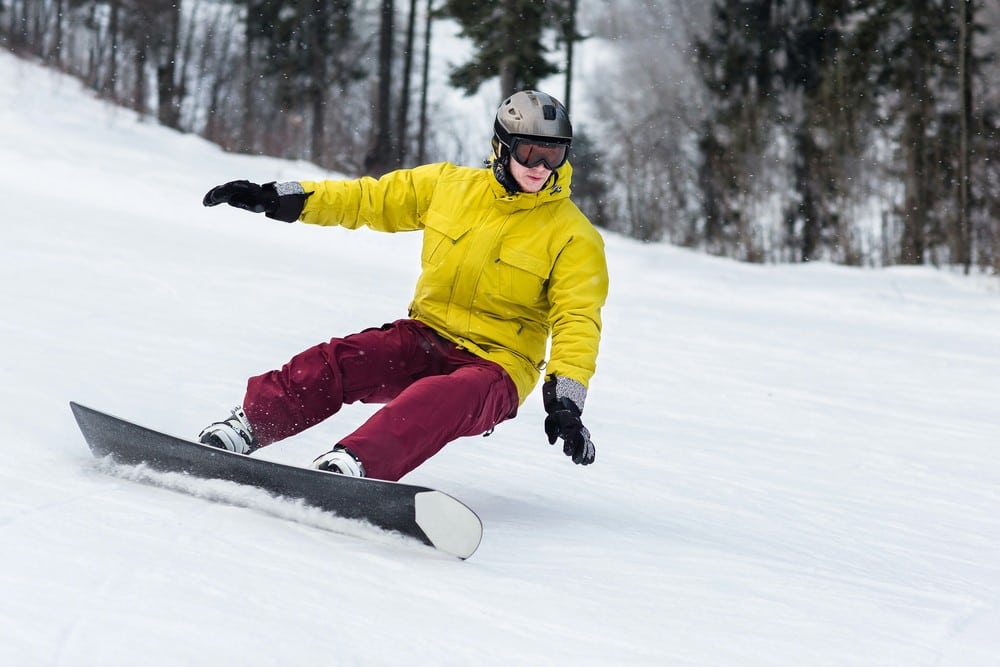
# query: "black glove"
{"type": "Point", "coordinates": [280, 201]}
{"type": "Point", "coordinates": [563, 420]}
{"type": "Point", "coordinates": [245, 195]}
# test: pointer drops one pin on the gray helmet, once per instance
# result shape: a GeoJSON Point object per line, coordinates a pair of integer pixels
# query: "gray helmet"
{"type": "Point", "coordinates": [534, 114]}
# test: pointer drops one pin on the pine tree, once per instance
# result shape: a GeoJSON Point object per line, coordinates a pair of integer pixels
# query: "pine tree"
{"type": "Point", "coordinates": [508, 36]}
{"type": "Point", "coordinates": [306, 49]}
{"type": "Point", "coordinates": [912, 80]}
{"type": "Point", "coordinates": [737, 62]}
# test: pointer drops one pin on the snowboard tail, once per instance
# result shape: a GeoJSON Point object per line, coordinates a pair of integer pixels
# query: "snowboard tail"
{"type": "Point", "coordinates": [427, 515]}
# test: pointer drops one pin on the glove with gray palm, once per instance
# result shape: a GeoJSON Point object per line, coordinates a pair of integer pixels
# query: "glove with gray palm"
{"type": "Point", "coordinates": [563, 398]}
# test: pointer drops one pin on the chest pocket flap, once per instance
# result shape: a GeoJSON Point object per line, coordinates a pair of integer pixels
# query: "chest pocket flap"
{"type": "Point", "coordinates": [452, 228]}
{"type": "Point", "coordinates": [440, 234]}
{"type": "Point", "coordinates": [522, 274]}
{"type": "Point", "coordinates": [525, 261]}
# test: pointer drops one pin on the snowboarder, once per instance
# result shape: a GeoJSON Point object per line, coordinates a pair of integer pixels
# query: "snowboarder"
{"type": "Point", "coordinates": [508, 260]}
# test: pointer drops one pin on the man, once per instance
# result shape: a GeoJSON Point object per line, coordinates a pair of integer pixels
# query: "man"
{"type": "Point", "coordinates": [507, 261]}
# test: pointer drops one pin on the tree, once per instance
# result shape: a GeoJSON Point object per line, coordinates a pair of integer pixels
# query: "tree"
{"type": "Point", "coordinates": [508, 38]}
{"type": "Point", "coordinates": [913, 82]}
{"type": "Point", "coordinates": [829, 79]}
{"type": "Point", "coordinates": [590, 180]}
{"type": "Point", "coordinates": [306, 49]}
{"type": "Point", "coordinates": [169, 77]}
{"type": "Point", "coordinates": [825, 115]}
{"type": "Point", "coordinates": [647, 105]}
{"type": "Point", "coordinates": [738, 63]}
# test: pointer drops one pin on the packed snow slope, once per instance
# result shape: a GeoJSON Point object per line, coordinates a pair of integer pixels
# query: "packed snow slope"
{"type": "Point", "coordinates": [796, 465]}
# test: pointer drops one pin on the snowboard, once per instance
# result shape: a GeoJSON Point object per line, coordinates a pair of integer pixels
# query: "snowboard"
{"type": "Point", "coordinates": [427, 515]}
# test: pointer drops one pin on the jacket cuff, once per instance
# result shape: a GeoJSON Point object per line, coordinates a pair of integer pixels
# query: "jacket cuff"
{"type": "Point", "coordinates": [291, 200]}
{"type": "Point", "coordinates": [559, 390]}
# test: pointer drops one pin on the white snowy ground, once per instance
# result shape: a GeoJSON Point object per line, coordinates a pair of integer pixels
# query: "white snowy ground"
{"type": "Point", "coordinates": [797, 465]}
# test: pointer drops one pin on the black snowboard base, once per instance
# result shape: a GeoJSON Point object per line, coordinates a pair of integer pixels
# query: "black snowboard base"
{"type": "Point", "coordinates": [427, 515]}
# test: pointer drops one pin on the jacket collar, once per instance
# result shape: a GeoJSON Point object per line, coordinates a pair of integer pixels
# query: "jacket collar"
{"type": "Point", "coordinates": [557, 187]}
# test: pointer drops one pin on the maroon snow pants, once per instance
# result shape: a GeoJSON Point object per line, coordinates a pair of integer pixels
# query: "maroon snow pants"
{"type": "Point", "coordinates": [433, 393]}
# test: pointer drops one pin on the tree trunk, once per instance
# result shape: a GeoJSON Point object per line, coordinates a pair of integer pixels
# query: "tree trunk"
{"type": "Point", "coordinates": [139, 91]}
{"type": "Point", "coordinates": [168, 96]}
{"type": "Point", "coordinates": [425, 84]}
{"type": "Point", "coordinates": [318, 86]}
{"type": "Point", "coordinates": [963, 251]}
{"type": "Point", "coordinates": [805, 156]}
{"type": "Point", "coordinates": [57, 42]}
{"type": "Point", "coordinates": [114, 28]}
{"type": "Point", "coordinates": [381, 156]}
{"type": "Point", "coordinates": [570, 37]}
{"type": "Point", "coordinates": [508, 77]}
{"type": "Point", "coordinates": [916, 194]}
{"type": "Point", "coordinates": [404, 98]}
{"type": "Point", "coordinates": [246, 139]}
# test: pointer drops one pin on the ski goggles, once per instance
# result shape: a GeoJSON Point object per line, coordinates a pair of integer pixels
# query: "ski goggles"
{"type": "Point", "coordinates": [531, 153]}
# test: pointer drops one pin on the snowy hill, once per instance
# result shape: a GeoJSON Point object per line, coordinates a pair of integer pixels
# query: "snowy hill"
{"type": "Point", "coordinates": [796, 465]}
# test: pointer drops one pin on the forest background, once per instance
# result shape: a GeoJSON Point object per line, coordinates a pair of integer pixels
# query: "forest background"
{"type": "Point", "coordinates": [861, 132]}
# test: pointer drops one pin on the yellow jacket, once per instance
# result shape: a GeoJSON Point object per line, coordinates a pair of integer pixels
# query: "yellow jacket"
{"type": "Point", "coordinates": [500, 272]}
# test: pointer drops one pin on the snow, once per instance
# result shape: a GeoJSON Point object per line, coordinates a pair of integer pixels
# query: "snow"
{"type": "Point", "coordinates": [796, 465]}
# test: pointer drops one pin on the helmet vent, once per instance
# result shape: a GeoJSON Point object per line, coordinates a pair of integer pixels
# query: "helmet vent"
{"type": "Point", "coordinates": [549, 112]}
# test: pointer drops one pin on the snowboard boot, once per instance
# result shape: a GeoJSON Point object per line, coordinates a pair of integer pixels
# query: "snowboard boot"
{"type": "Point", "coordinates": [340, 461]}
{"type": "Point", "coordinates": [233, 434]}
